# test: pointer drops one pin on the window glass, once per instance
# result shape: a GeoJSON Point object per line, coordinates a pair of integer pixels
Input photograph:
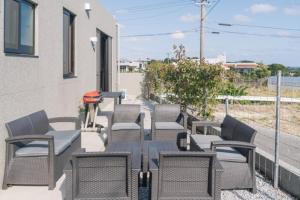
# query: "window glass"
{"type": "Point", "coordinates": [19, 27]}
{"type": "Point", "coordinates": [27, 14]}
{"type": "Point", "coordinates": [11, 24]}
{"type": "Point", "coordinates": [68, 44]}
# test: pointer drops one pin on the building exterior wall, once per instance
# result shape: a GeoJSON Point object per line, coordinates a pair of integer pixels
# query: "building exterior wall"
{"type": "Point", "coordinates": [130, 83]}
{"type": "Point", "coordinates": [29, 84]}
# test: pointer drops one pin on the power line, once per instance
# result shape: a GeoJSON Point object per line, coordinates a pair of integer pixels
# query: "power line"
{"type": "Point", "coordinates": [214, 31]}
{"type": "Point", "coordinates": [212, 8]}
{"type": "Point", "coordinates": [159, 34]}
{"type": "Point", "coordinates": [255, 34]}
{"type": "Point", "coordinates": [258, 26]}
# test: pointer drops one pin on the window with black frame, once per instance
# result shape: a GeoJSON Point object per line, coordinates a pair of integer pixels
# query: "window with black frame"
{"type": "Point", "coordinates": [19, 27]}
{"type": "Point", "coordinates": [68, 44]}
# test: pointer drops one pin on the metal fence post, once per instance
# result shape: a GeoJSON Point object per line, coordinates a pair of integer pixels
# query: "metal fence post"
{"type": "Point", "coordinates": [226, 105]}
{"type": "Point", "coordinates": [277, 129]}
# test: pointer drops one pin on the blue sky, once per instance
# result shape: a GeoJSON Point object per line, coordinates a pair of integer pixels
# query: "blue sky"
{"type": "Point", "coordinates": [174, 16]}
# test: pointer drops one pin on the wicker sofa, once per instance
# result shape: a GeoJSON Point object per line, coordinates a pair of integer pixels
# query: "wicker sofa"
{"type": "Point", "coordinates": [169, 123]}
{"type": "Point", "coordinates": [103, 175]}
{"type": "Point", "coordinates": [235, 151]}
{"type": "Point", "coordinates": [126, 124]}
{"type": "Point", "coordinates": [35, 153]}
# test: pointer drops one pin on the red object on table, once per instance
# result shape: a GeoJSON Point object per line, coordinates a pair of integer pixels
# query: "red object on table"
{"type": "Point", "coordinates": [92, 97]}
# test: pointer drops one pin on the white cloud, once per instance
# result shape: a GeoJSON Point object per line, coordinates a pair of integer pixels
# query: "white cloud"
{"type": "Point", "coordinates": [241, 18]}
{"type": "Point", "coordinates": [294, 11]}
{"type": "Point", "coordinates": [178, 35]}
{"type": "Point", "coordinates": [262, 8]}
{"type": "Point", "coordinates": [190, 18]}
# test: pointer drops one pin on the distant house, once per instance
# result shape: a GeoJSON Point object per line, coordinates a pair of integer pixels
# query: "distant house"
{"type": "Point", "coordinates": [241, 67]}
{"type": "Point", "coordinates": [132, 66]}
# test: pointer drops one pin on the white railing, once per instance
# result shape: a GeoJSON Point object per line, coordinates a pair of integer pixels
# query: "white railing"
{"type": "Point", "coordinates": [259, 98]}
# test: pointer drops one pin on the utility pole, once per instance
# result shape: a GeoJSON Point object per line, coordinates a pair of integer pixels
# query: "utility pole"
{"type": "Point", "coordinates": [118, 56]}
{"type": "Point", "coordinates": [203, 4]}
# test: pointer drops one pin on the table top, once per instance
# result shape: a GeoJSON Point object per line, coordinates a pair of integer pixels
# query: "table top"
{"type": "Point", "coordinates": [133, 147]}
{"type": "Point", "coordinates": [112, 94]}
{"type": "Point", "coordinates": [151, 151]}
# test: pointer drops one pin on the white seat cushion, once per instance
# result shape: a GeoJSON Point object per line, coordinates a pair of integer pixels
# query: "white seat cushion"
{"type": "Point", "coordinates": [168, 126]}
{"type": "Point", "coordinates": [125, 126]}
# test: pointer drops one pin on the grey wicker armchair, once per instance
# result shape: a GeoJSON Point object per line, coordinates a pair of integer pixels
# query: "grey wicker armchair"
{"type": "Point", "coordinates": [99, 176]}
{"type": "Point", "coordinates": [35, 153]}
{"type": "Point", "coordinates": [235, 151]}
{"type": "Point", "coordinates": [184, 175]}
{"type": "Point", "coordinates": [169, 123]}
{"type": "Point", "coordinates": [126, 124]}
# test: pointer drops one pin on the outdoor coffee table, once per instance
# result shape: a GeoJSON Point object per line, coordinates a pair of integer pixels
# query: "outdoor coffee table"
{"type": "Point", "coordinates": [155, 146]}
{"type": "Point", "coordinates": [133, 147]}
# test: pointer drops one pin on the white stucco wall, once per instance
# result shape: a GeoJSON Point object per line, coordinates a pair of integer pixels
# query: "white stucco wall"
{"type": "Point", "coordinates": [29, 84]}
{"type": "Point", "coordinates": [131, 83]}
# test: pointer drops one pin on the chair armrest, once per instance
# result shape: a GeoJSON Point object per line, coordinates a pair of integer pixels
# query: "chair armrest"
{"type": "Point", "coordinates": [141, 118]}
{"type": "Point", "coordinates": [141, 123]}
{"type": "Point", "coordinates": [185, 116]}
{"type": "Point", "coordinates": [24, 138]}
{"type": "Point", "coordinates": [235, 144]}
{"type": "Point", "coordinates": [196, 124]}
{"type": "Point", "coordinates": [63, 119]}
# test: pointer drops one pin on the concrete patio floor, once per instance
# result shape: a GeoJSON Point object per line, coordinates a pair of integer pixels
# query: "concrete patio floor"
{"type": "Point", "coordinates": [95, 142]}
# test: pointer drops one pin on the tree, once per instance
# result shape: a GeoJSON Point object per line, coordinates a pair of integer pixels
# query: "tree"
{"type": "Point", "coordinates": [153, 80]}
{"type": "Point", "coordinates": [274, 68]}
{"type": "Point", "coordinates": [179, 52]}
{"type": "Point", "coordinates": [297, 73]}
{"type": "Point", "coordinates": [262, 73]}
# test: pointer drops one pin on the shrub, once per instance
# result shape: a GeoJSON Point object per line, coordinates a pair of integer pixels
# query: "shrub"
{"type": "Point", "coordinates": [188, 83]}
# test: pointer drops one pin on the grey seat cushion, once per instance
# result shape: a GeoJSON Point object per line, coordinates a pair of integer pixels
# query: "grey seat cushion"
{"type": "Point", "coordinates": [168, 126]}
{"type": "Point", "coordinates": [65, 135]}
{"type": "Point", "coordinates": [62, 140]}
{"type": "Point", "coordinates": [204, 141]}
{"type": "Point", "coordinates": [229, 154]}
{"type": "Point", "coordinates": [40, 148]}
{"type": "Point", "coordinates": [125, 126]}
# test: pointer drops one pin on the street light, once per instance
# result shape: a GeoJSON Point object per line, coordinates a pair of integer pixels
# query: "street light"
{"type": "Point", "coordinates": [215, 32]}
